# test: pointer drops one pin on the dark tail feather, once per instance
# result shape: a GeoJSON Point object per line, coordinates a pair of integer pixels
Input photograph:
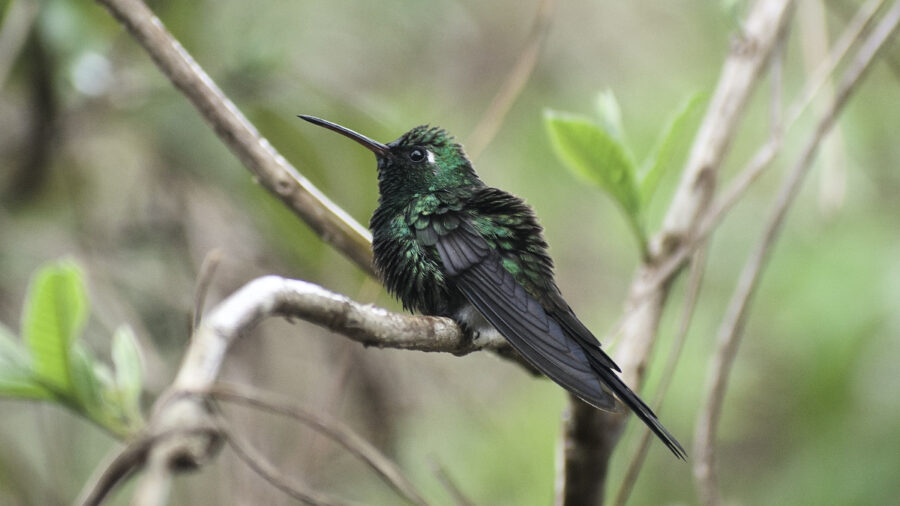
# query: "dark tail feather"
{"type": "Point", "coordinates": [641, 410]}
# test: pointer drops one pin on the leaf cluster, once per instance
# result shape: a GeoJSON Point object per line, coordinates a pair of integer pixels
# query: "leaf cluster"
{"type": "Point", "coordinates": [597, 151]}
{"type": "Point", "coordinates": [51, 363]}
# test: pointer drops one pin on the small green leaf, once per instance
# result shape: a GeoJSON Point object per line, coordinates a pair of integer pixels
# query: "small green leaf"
{"type": "Point", "coordinates": [611, 116]}
{"type": "Point", "coordinates": [593, 154]}
{"type": "Point", "coordinates": [54, 316]}
{"type": "Point", "coordinates": [87, 389]}
{"type": "Point", "coordinates": [126, 356]}
{"type": "Point", "coordinates": [16, 379]}
{"type": "Point", "coordinates": [662, 156]}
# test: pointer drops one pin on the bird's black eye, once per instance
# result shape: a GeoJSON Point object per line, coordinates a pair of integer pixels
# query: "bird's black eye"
{"type": "Point", "coordinates": [417, 155]}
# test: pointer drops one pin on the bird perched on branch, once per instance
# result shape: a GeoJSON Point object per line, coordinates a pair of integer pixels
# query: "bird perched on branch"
{"type": "Point", "coordinates": [446, 244]}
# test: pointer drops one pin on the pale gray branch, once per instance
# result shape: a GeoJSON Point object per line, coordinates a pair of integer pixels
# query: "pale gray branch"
{"type": "Point", "coordinates": [234, 317]}
{"type": "Point", "coordinates": [269, 168]}
{"type": "Point", "coordinates": [698, 268]}
{"type": "Point", "coordinates": [730, 331]}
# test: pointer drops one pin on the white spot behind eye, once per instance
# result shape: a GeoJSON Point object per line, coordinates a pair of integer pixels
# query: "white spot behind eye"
{"type": "Point", "coordinates": [430, 156]}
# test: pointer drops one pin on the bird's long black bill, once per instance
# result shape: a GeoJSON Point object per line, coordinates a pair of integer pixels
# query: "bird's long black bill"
{"type": "Point", "coordinates": [373, 146]}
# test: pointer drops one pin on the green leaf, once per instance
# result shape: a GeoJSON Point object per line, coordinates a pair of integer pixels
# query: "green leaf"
{"type": "Point", "coordinates": [126, 356]}
{"type": "Point", "coordinates": [16, 379]}
{"type": "Point", "coordinates": [87, 389]}
{"type": "Point", "coordinates": [594, 155]}
{"type": "Point", "coordinates": [95, 394]}
{"type": "Point", "coordinates": [611, 116]}
{"type": "Point", "coordinates": [54, 316]}
{"type": "Point", "coordinates": [662, 156]}
{"type": "Point", "coordinates": [591, 153]}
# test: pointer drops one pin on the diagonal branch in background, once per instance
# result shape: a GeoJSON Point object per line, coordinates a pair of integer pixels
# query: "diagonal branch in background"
{"type": "Point", "coordinates": [586, 454]}
{"type": "Point", "coordinates": [270, 169]}
{"type": "Point", "coordinates": [267, 471]}
{"type": "Point", "coordinates": [730, 332]}
{"type": "Point", "coordinates": [491, 120]}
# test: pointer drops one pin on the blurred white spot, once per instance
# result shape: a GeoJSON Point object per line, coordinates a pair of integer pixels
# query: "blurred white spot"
{"type": "Point", "coordinates": [92, 74]}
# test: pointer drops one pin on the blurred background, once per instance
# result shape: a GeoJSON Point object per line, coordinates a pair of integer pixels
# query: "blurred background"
{"type": "Point", "coordinates": [103, 160]}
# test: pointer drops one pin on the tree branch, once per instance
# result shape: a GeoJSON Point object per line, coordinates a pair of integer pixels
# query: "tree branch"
{"type": "Point", "coordinates": [698, 268]}
{"type": "Point", "coordinates": [730, 332]}
{"type": "Point", "coordinates": [515, 82]}
{"type": "Point", "coordinates": [269, 168]}
{"type": "Point", "coordinates": [176, 413]}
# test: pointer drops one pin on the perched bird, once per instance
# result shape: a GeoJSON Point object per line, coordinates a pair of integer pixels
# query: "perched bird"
{"type": "Point", "coordinates": [446, 244]}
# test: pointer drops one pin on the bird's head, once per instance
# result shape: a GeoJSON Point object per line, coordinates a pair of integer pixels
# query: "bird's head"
{"type": "Point", "coordinates": [424, 159]}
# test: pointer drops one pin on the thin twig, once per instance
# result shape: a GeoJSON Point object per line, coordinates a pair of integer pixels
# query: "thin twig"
{"type": "Point", "coordinates": [456, 494]}
{"type": "Point", "coordinates": [204, 279]}
{"type": "Point", "coordinates": [515, 82]}
{"type": "Point", "coordinates": [730, 331]}
{"type": "Point", "coordinates": [334, 429]}
{"type": "Point", "coordinates": [122, 463]}
{"type": "Point", "coordinates": [844, 9]}
{"type": "Point", "coordinates": [695, 282]}
{"type": "Point", "coordinates": [814, 44]}
{"type": "Point", "coordinates": [115, 469]}
{"type": "Point", "coordinates": [331, 223]}
{"type": "Point", "coordinates": [262, 467]}
{"type": "Point", "coordinates": [776, 81]}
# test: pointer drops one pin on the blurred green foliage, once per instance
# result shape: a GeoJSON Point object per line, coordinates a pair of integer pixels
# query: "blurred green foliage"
{"type": "Point", "coordinates": [600, 154]}
{"type": "Point", "coordinates": [52, 365]}
{"type": "Point", "coordinates": [137, 188]}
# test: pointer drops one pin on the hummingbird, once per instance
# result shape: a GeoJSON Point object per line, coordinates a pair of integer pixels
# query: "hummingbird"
{"type": "Point", "coordinates": [446, 244]}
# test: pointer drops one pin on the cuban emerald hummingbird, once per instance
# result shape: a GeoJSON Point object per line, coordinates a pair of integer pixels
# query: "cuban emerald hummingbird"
{"type": "Point", "coordinates": [446, 244]}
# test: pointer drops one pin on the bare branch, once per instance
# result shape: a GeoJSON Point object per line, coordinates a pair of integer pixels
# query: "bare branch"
{"type": "Point", "coordinates": [204, 278]}
{"type": "Point", "coordinates": [459, 498]}
{"type": "Point", "coordinates": [121, 464]}
{"type": "Point", "coordinates": [114, 470]}
{"type": "Point", "coordinates": [738, 79]}
{"type": "Point", "coordinates": [515, 82]}
{"type": "Point", "coordinates": [261, 466]}
{"type": "Point", "coordinates": [332, 428]}
{"type": "Point", "coordinates": [698, 267]}
{"type": "Point", "coordinates": [269, 168]}
{"type": "Point", "coordinates": [586, 452]}
{"type": "Point", "coordinates": [730, 332]}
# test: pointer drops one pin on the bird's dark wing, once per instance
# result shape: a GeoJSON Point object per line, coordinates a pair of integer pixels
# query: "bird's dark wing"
{"type": "Point", "coordinates": [479, 274]}
{"type": "Point", "coordinates": [497, 258]}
